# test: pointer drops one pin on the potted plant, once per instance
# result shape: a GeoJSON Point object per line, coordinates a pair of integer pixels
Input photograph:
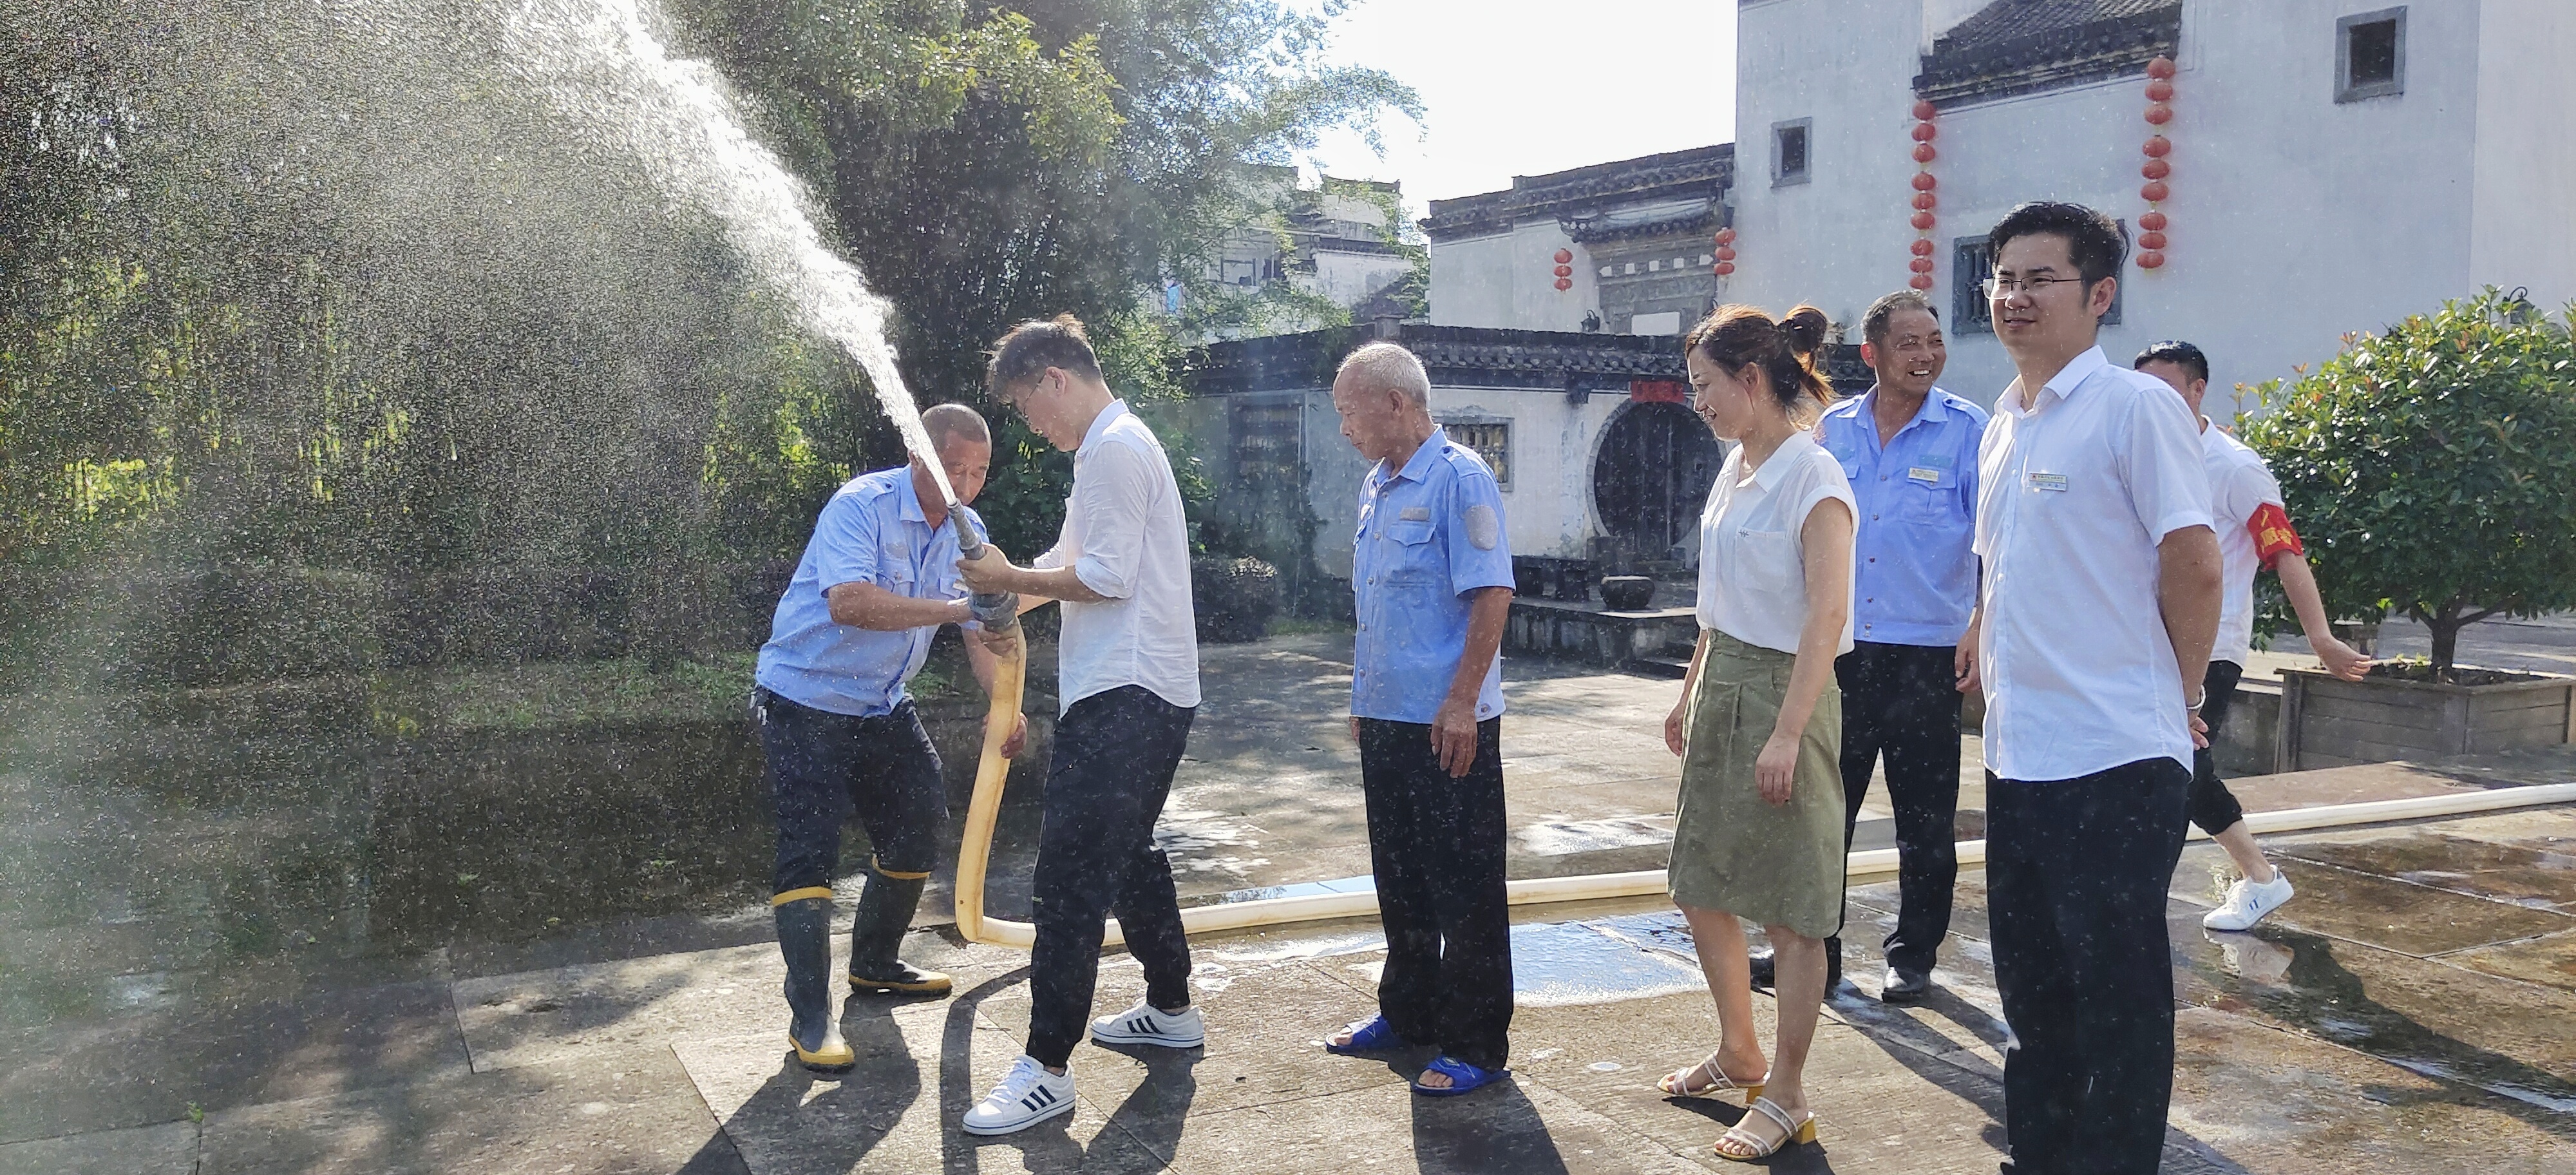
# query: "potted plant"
{"type": "Point", "coordinates": [2431, 468]}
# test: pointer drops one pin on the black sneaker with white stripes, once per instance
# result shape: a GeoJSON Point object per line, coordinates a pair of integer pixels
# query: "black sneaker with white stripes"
{"type": "Point", "coordinates": [1143, 1024]}
{"type": "Point", "coordinates": [1027, 1096]}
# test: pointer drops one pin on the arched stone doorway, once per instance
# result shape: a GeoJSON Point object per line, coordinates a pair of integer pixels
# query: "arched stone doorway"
{"type": "Point", "coordinates": [1650, 478]}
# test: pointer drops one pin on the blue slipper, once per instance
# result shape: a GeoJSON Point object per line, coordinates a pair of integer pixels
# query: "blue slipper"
{"type": "Point", "coordinates": [1373, 1035]}
{"type": "Point", "coordinates": [1463, 1077]}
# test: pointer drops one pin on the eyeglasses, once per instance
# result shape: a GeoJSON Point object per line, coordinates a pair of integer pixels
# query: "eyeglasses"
{"type": "Point", "coordinates": [2005, 287]}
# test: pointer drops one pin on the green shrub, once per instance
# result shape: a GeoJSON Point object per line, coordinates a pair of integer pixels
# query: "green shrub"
{"type": "Point", "coordinates": [1235, 598]}
{"type": "Point", "coordinates": [2431, 467]}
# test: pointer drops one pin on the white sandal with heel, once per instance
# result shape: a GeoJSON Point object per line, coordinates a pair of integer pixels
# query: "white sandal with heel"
{"type": "Point", "coordinates": [1678, 1082]}
{"type": "Point", "coordinates": [1792, 1131]}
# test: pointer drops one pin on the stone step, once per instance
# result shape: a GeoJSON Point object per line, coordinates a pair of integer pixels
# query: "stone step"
{"type": "Point", "coordinates": [1660, 665]}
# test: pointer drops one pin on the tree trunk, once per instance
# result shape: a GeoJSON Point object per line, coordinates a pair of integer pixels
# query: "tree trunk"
{"type": "Point", "coordinates": [2446, 642]}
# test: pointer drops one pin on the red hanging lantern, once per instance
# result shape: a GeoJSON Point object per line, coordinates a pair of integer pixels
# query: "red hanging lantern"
{"type": "Point", "coordinates": [1725, 253]}
{"type": "Point", "coordinates": [1920, 265]}
{"type": "Point", "coordinates": [1723, 268]}
{"type": "Point", "coordinates": [1925, 202]}
{"type": "Point", "coordinates": [2157, 147]}
{"type": "Point", "coordinates": [2156, 169]}
{"type": "Point", "coordinates": [1923, 181]}
{"type": "Point", "coordinates": [1922, 247]}
{"type": "Point", "coordinates": [1564, 283]}
{"type": "Point", "coordinates": [1565, 271]}
{"type": "Point", "coordinates": [1564, 256]}
{"type": "Point", "coordinates": [2152, 221]}
{"type": "Point", "coordinates": [1923, 110]}
{"type": "Point", "coordinates": [1923, 221]}
{"type": "Point", "coordinates": [2159, 90]}
{"type": "Point", "coordinates": [2155, 192]}
{"type": "Point", "coordinates": [2151, 260]}
{"type": "Point", "coordinates": [2159, 114]}
{"type": "Point", "coordinates": [1726, 236]}
{"type": "Point", "coordinates": [1923, 153]}
{"type": "Point", "coordinates": [1920, 281]}
{"type": "Point", "coordinates": [1925, 132]}
{"type": "Point", "coordinates": [2161, 69]}
{"type": "Point", "coordinates": [2151, 241]}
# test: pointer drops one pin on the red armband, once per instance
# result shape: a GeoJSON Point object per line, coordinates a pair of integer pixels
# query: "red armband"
{"type": "Point", "coordinates": [2273, 535]}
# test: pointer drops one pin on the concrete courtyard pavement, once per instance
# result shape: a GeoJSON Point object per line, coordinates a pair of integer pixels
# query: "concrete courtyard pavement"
{"type": "Point", "coordinates": [2409, 1011]}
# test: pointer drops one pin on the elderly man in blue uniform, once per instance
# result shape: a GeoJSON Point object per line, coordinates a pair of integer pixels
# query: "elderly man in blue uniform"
{"type": "Point", "coordinates": [1433, 579]}
{"type": "Point", "coordinates": [840, 733]}
{"type": "Point", "coordinates": [1909, 450]}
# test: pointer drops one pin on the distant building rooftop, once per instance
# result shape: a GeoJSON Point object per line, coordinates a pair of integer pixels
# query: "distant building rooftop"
{"type": "Point", "coordinates": [2022, 46]}
{"type": "Point", "coordinates": [1469, 356]}
{"type": "Point", "coordinates": [1581, 193]}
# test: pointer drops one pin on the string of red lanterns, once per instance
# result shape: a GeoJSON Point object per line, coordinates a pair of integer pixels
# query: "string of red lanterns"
{"type": "Point", "coordinates": [1564, 270]}
{"type": "Point", "coordinates": [1725, 252]}
{"type": "Point", "coordinates": [2160, 90]}
{"type": "Point", "coordinates": [1924, 201]}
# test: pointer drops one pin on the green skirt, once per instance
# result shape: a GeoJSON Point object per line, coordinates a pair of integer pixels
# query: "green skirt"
{"type": "Point", "coordinates": [1771, 864]}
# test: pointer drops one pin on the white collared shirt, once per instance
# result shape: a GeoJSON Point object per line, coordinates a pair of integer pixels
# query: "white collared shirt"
{"type": "Point", "coordinates": [1125, 538]}
{"type": "Point", "coordinates": [2239, 485]}
{"type": "Point", "coordinates": [1752, 547]}
{"type": "Point", "coordinates": [2076, 492]}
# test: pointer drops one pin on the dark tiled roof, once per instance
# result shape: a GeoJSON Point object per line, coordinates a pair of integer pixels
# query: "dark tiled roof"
{"type": "Point", "coordinates": [1688, 222]}
{"type": "Point", "coordinates": [1456, 356]}
{"type": "Point", "coordinates": [2021, 46]}
{"type": "Point", "coordinates": [1583, 191]}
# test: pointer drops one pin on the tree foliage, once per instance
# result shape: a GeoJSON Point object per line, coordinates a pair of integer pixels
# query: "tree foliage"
{"type": "Point", "coordinates": [329, 287]}
{"type": "Point", "coordinates": [2431, 467]}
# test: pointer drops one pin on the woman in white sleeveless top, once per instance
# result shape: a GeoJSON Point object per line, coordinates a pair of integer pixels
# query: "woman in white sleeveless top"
{"type": "Point", "coordinates": [1759, 724]}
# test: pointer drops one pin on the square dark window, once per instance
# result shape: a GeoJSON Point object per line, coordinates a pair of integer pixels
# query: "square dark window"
{"type": "Point", "coordinates": [1789, 152]}
{"type": "Point", "coordinates": [2374, 54]}
{"type": "Point", "coordinates": [1971, 263]}
{"type": "Point", "coordinates": [2370, 55]}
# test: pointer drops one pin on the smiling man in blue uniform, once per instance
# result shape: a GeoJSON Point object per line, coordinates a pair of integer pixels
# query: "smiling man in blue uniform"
{"type": "Point", "coordinates": [1431, 574]}
{"type": "Point", "coordinates": [1909, 450]}
{"type": "Point", "coordinates": [840, 733]}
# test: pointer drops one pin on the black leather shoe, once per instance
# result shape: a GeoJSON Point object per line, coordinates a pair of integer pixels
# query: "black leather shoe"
{"type": "Point", "coordinates": [1905, 986]}
{"type": "Point", "coordinates": [1765, 971]}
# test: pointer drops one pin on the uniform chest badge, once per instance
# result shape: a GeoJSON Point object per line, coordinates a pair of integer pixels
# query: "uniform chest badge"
{"type": "Point", "coordinates": [2052, 482]}
{"type": "Point", "coordinates": [1927, 476]}
{"type": "Point", "coordinates": [1414, 514]}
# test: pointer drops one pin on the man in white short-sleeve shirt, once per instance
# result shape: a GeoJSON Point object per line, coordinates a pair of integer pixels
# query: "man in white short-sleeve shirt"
{"type": "Point", "coordinates": [1127, 662]}
{"type": "Point", "coordinates": [2099, 603]}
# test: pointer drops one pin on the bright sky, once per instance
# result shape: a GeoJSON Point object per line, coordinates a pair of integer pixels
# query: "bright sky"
{"type": "Point", "coordinates": [1526, 87]}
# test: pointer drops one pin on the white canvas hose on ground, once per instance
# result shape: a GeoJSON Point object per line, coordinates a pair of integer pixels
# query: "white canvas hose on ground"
{"type": "Point", "coordinates": [974, 853]}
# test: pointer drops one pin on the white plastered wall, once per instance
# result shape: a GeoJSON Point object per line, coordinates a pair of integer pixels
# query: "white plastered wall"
{"type": "Point", "coordinates": [2524, 228]}
{"type": "Point", "coordinates": [2294, 218]}
{"type": "Point", "coordinates": [1508, 280]}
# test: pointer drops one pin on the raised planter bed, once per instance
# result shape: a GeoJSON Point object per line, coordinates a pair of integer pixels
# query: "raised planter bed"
{"type": "Point", "coordinates": [2327, 722]}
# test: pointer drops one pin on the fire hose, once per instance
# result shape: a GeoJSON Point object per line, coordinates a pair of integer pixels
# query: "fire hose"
{"type": "Point", "coordinates": [975, 851]}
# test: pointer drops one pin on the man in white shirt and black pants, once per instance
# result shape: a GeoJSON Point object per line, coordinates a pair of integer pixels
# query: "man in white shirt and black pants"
{"type": "Point", "coordinates": [1127, 663]}
{"type": "Point", "coordinates": [2099, 604]}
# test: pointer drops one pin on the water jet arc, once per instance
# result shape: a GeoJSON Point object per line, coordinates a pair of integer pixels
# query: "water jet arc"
{"type": "Point", "coordinates": [986, 806]}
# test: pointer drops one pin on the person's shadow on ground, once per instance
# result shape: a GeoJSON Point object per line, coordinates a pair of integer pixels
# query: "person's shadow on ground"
{"type": "Point", "coordinates": [838, 1127]}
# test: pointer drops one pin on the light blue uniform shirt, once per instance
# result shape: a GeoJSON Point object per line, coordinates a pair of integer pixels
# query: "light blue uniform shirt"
{"type": "Point", "coordinates": [872, 531]}
{"type": "Point", "coordinates": [1914, 574]}
{"type": "Point", "coordinates": [1429, 533]}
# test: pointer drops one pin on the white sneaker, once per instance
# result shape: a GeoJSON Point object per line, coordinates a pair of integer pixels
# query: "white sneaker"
{"type": "Point", "coordinates": [1144, 1024]}
{"type": "Point", "coordinates": [2247, 903]}
{"type": "Point", "coordinates": [1027, 1096]}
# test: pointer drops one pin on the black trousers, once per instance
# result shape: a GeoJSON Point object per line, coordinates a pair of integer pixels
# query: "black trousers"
{"type": "Point", "coordinates": [1436, 846]}
{"type": "Point", "coordinates": [2076, 871]}
{"type": "Point", "coordinates": [825, 766]}
{"type": "Point", "coordinates": [2213, 807]}
{"type": "Point", "coordinates": [1114, 757]}
{"type": "Point", "coordinates": [1902, 701]}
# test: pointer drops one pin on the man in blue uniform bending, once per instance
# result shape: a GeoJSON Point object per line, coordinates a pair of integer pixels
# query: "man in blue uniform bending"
{"type": "Point", "coordinates": [878, 579]}
{"type": "Point", "coordinates": [1432, 577]}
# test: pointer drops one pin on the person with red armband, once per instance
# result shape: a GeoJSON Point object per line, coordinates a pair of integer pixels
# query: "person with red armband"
{"type": "Point", "coordinates": [2254, 533]}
